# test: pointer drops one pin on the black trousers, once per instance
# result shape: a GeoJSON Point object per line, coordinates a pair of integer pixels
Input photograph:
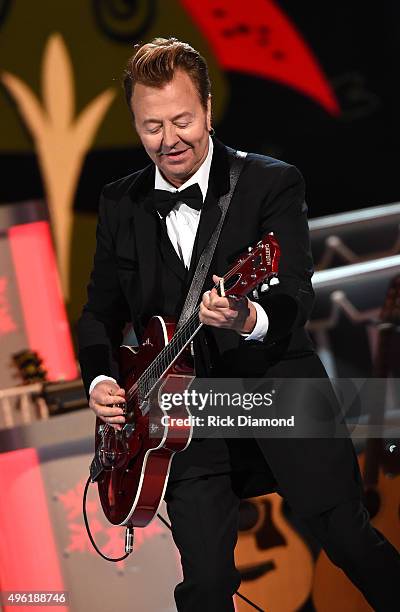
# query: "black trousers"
{"type": "Point", "coordinates": [204, 515]}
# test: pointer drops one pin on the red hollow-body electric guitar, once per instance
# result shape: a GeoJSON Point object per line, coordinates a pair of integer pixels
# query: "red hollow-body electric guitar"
{"type": "Point", "coordinates": [131, 465]}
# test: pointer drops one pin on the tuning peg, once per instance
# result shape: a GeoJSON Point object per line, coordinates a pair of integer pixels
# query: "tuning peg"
{"type": "Point", "coordinates": [249, 249]}
{"type": "Point", "coordinates": [274, 281]}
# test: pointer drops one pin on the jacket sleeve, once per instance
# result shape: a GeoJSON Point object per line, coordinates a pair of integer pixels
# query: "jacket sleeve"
{"type": "Point", "coordinates": [288, 304]}
{"type": "Point", "coordinates": [100, 327]}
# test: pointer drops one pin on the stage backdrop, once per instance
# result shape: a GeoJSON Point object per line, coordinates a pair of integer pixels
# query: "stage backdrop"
{"type": "Point", "coordinates": [315, 84]}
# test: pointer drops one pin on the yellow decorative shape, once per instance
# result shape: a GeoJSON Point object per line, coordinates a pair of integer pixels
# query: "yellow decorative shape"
{"type": "Point", "coordinates": [61, 141]}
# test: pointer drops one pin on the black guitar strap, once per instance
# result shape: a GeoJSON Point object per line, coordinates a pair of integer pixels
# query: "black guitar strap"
{"type": "Point", "coordinates": [205, 259]}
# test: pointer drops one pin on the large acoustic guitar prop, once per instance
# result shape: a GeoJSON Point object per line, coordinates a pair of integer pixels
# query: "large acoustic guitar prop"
{"type": "Point", "coordinates": [382, 488]}
{"type": "Point", "coordinates": [275, 564]}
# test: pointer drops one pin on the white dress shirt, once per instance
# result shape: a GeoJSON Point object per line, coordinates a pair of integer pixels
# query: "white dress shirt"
{"type": "Point", "coordinates": [182, 223]}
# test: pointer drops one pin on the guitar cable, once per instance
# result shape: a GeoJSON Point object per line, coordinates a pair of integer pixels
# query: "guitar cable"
{"type": "Point", "coordinates": [128, 534]}
{"type": "Point", "coordinates": [129, 543]}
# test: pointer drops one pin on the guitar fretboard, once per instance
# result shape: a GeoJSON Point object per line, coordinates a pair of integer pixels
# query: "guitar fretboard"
{"type": "Point", "coordinates": [167, 356]}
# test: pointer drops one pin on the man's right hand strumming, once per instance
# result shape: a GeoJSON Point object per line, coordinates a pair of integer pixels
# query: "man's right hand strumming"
{"type": "Point", "coordinates": [107, 400]}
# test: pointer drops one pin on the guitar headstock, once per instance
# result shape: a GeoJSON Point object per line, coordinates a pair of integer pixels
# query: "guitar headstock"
{"type": "Point", "coordinates": [259, 265]}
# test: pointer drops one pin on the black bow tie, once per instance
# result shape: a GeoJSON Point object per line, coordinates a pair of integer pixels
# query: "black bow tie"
{"type": "Point", "coordinates": [164, 201]}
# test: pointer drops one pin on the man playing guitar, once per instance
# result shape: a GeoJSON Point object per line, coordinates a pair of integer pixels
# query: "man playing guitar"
{"type": "Point", "coordinates": [148, 243]}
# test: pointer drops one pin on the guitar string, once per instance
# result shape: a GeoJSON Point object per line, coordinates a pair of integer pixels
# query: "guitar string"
{"type": "Point", "coordinates": [159, 365]}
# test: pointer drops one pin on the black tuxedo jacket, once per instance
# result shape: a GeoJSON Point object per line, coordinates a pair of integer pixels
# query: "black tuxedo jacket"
{"type": "Point", "coordinates": [137, 274]}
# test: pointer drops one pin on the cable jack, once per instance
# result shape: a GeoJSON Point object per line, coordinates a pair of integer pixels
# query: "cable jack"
{"type": "Point", "coordinates": [129, 539]}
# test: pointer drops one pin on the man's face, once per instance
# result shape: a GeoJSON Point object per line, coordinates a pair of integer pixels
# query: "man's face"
{"type": "Point", "coordinates": [173, 126]}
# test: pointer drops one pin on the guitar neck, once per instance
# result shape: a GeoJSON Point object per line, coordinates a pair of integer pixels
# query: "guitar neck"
{"type": "Point", "coordinates": [166, 357]}
{"type": "Point", "coordinates": [251, 269]}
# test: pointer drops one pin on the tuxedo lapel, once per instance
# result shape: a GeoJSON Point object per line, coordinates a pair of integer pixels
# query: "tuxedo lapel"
{"type": "Point", "coordinates": [209, 218]}
{"type": "Point", "coordinates": [154, 247]}
{"type": "Point", "coordinates": [145, 227]}
{"type": "Point", "coordinates": [218, 185]}
{"type": "Point", "coordinates": [147, 235]}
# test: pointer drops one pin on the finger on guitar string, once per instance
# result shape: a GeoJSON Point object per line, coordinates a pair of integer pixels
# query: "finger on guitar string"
{"type": "Point", "coordinates": [229, 303]}
{"type": "Point", "coordinates": [109, 400]}
{"type": "Point", "coordinates": [211, 297]}
{"type": "Point", "coordinates": [217, 301]}
{"type": "Point", "coordinates": [119, 391]}
{"type": "Point", "coordinates": [112, 419]}
{"type": "Point", "coordinates": [107, 388]}
{"type": "Point", "coordinates": [212, 301]}
{"type": "Point", "coordinates": [219, 316]}
{"type": "Point", "coordinates": [205, 300]}
{"type": "Point", "coordinates": [107, 411]}
{"type": "Point", "coordinates": [113, 426]}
